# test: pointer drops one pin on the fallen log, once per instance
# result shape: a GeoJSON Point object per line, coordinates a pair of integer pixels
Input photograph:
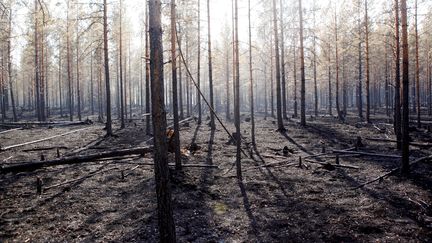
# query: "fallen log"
{"type": "Point", "coordinates": [328, 153]}
{"type": "Point", "coordinates": [44, 149]}
{"type": "Point", "coordinates": [367, 154]}
{"type": "Point", "coordinates": [10, 130]}
{"type": "Point", "coordinates": [417, 161]}
{"type": "Point", "coordinates": [41, 140]}
{"type": "Point", "coordinates": [335, 165]}
{"type": "Point", "coordinates": [34, 165]}
{"type": "Point", "coordinates": [395, 141]}
{"type": "Point", "coordinates": [52, 123]}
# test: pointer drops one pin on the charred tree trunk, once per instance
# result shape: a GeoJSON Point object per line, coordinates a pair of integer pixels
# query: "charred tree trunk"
{"type": "Point", "coordinates": [15, 118]}
{"type": "Point", "coordinates": [417, 66]}
{"type": "Point", "coordinates": [107, 77]}
{"type": "Point", "coordinates": [237, 93]}
{"type": "Point", "coordinates": [367, 63]}
{"type": "Point", "coordinates": [405, 90]}
{"type": "Point", "coordinates": [397, 98]}
{"type": "Point", "coordinates": [302, 72]}
{"type": "Point", "coordinates": [280, 124]}
{"type": "Point", "coordinates": [147, 71]}
{"type": "Point", "coordinates": [176, 135]}
{"type": "Point", "coordinates": [282, 46]}
{"type": "Point", "coordinates": [163, 190]}
{"type": "Point", "coordinates": [122, 98]}
{"type": "Point", "coordinates": [199, 64]}
{"type": "Point", "coordinates": [251, 83]}
{"type": "Point", "coordinates": [210, 68]}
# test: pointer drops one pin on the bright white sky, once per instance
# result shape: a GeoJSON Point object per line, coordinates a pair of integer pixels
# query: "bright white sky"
{"type": "Point", "coordinates": [221, 9]}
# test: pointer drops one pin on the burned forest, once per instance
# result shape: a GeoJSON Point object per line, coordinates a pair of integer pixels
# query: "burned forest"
{"type": "Point", "coordinates": [216, 121]}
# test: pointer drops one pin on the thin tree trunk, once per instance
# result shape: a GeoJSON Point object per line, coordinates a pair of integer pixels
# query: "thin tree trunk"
{"type": "Point", "coordinates": [163, 191]}
{"type": "Point", "coordinates": [78, 72]}
{"type": "Point", "coordinates": [405, 90]}
{"type": "Point", "coordinates": [302, 72]}
{"type": "Point", "coordinates": [15, 118]}
{"type": "Point", "coordinates": [367, 64]}
{"type": "Point", "coordinates": [340, 115]}
{"type": "Point", "coordinates": [397, 100]}
{"type": "Point", "coordinates": [284, 96]}
{"type": "Point", "coordinates": [69, 68]}
{"type": "Point", "coordinates": [178, 164]}
{"type": "Point", "coordinates": [107, 77]}
{"type": "Point", "coordinates": [147, 71]}
{"type": "Point", "coordinates": [280, 124]}
{"type": "Point", "coordinates": [315, 65]}
{"type": "Point", "coordinates": [237, 94]}
{"type": "Point", "coordinates": [251, 92]}
{"type": "Point", "coordinates": [199, 63]}
{"type": "Point", "coordinates": [417, 66]}
{"type": "Point", "coordinates": [360, 69]}
{"type": "Point", "coordinates": [210, 68]}
{"type": "Point", "coordinates": [329, 83]}
{"type": "Point", "coordinates": [122, 98]}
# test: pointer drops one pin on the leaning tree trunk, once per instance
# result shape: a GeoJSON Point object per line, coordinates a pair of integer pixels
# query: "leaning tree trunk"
{"type": "Point", "coordinates": [163, 191]}
{"type": "Point", "coordinates": [405, 89]}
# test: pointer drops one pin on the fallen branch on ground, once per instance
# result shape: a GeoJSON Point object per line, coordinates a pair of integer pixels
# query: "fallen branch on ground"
{"type": "Point", "coordinates": [41, 140]}
{"type": "Point", "coordinates": [44, 149]}
{"type": "Point", "coordinates": [10, 130]}
{"type": "Point", "coordinates": [335, 165]}
{"type": "Point", "coordinates": [417, 161]}
{"type": "Point", "coordinates": [395, 141]}
{"type": "Point", "coordinates": [30, 166]}
{"type": "Point", "coordinates": [58, 123]}
{"type": "Point", "coordinates": [367, 154]}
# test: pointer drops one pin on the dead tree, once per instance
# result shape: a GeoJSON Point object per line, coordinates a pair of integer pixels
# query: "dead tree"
{"type": "Point", "coordinates": [237, 93]}
{"type": "Point", "coordinates": [280, 124]}
{"type": "Point", "coordinates": [417, 75]}
{"type": "Point", "coordinates": [284, 96]}
{"type": "Point", "coordinates": [9, 56]}
{"type": "Point", "coordinates": [69, 65]}
{"type": "Point", "coordinates": [174, 87]}
{"type": "Point", "coordinates": [210, 68]}
{"type": "Point", "coordinates": [367, 63]}
{"type": "Point", "coordinates": [397, 101]}
{"type": "Point", "coordinates": [147, 71]}
{"type": "Point", "coordinates": [315, 65]}
{"type": "Point", "coordinates": [199, 63]}
{"type": "Point", "coordinates": [163, 190]}
{"type": "Point", "coordinates": [107, 77]}
{"type": "Point", "coordinates": [405, 90]}
{"type": "Point", "coordinates": [339, 112]}
{"type": "Point", "coordinates": [360, 68]}
{"type": "Point", "coordinates": [122, 99]}
{"type": "Point", "coordinates": [302, 71]}
{"type": "Point", "coordinates": [251, 83]}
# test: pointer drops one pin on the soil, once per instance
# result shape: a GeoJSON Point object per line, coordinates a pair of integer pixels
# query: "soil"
{"type": "Point", "coordinates": [281, 202]}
